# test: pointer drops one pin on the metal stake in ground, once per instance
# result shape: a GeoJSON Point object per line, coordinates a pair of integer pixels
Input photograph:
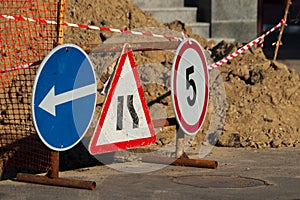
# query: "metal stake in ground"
{"type": "Point", "coordinates": [278, 43]}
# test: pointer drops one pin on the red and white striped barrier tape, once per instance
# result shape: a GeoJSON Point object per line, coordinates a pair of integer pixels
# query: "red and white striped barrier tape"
{"type": "Point", "coordinates": [20, 18]}
{"type": "Point", "coordinates": [20, 67]}
{"type": "Point", "coordinates": [258, 40]}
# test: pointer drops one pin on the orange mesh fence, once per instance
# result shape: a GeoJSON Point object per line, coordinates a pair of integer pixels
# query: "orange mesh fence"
{"type": "Point", "coordinates": [23, 45]}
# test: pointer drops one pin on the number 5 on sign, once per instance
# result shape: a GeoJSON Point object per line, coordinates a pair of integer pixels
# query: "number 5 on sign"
{"type": "Point", "coordinates": [190, 86]}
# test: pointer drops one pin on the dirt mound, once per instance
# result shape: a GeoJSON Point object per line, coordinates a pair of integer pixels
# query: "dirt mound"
{"type": "Point", "coordinates": [263, 100]}
{"type": "Point", "coordinates": [263, 107]}
{"type": "Point", "coordinates": [114, 14]}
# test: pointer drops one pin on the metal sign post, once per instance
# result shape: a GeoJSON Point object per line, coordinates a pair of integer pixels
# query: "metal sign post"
{"type": "Point", "coordinates": [48, 107]}
{"type": "Point", "coordinates": [54, 171]}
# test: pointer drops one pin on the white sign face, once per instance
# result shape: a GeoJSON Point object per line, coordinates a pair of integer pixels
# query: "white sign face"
{"type": "Point", "coordinates": [190, 86]}
{"type": "Point", "coordinates": [125, 120]}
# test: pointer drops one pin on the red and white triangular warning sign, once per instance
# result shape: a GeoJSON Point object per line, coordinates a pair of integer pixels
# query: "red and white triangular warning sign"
{"type": "Point", "coordinates": [125, 120]}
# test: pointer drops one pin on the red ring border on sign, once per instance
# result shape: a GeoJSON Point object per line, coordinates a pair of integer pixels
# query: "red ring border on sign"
{"type": "Point", "coordinates": [187, 128]}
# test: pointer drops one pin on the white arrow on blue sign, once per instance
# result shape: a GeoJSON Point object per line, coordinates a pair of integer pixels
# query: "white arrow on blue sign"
{"type": "Point", "coordinates": [64, 97]}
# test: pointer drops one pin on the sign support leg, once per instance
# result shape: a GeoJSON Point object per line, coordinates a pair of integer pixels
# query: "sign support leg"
{"type": "Point", "coordinates": [182, 157]}
{"type": "Point", "coordinates": [52, 177]}
{"type": "Point", "coordinates": [179, 142]}
{"type": "Point", "coordinates": [54, 172]}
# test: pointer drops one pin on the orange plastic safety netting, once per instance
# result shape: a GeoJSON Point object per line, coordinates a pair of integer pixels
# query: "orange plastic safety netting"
{"type": "Point", "coordinates": [23, 45]}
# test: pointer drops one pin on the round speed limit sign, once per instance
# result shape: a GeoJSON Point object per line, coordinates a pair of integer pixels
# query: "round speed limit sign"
{"type": "Point", "coordinates": [190, 86]}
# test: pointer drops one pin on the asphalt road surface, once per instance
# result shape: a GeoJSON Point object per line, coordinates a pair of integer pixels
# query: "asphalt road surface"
{"type": "Point", "coordinates": [241, 174]}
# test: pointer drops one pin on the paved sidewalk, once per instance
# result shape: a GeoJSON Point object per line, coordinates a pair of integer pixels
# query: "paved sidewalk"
{"type": "Point", "coordinates": [242, 174]}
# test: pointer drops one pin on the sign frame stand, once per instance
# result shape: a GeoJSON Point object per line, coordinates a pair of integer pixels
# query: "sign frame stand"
{"type": "Point", "coordinates": [182, 158]}
{"type": "Point", "coordinates": [52, 176]}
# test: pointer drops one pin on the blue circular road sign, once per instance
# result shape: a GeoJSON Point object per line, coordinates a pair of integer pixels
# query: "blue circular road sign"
{"type": "Point", "coordinates": [64, 97]}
